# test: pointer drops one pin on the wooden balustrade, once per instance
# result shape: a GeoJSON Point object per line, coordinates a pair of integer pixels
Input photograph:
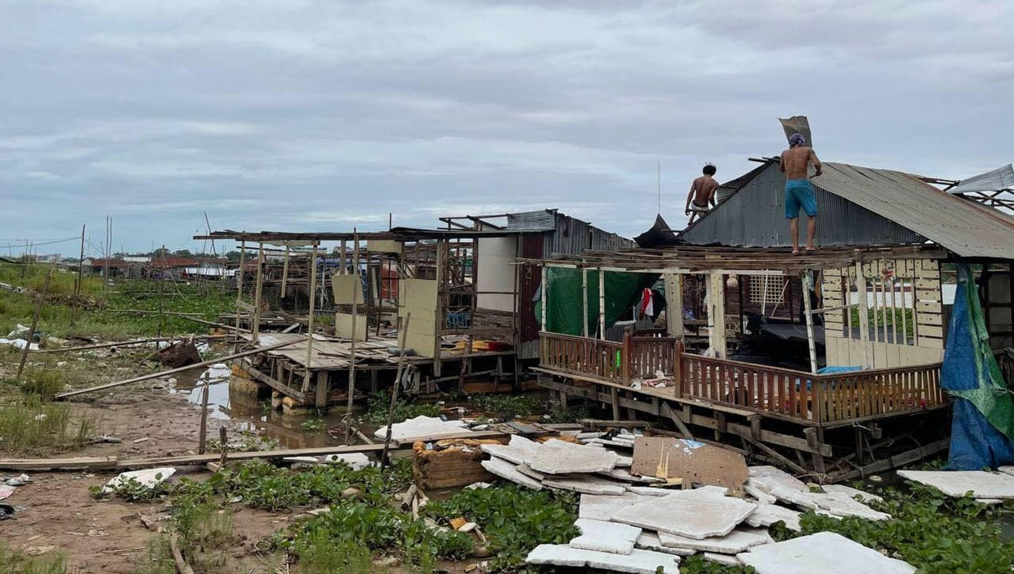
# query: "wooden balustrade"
{"type": "Point", "coordinates": [582, 356]}
{"type": "Point", "coordinates": [786, 393]}
{"type": "Point", "coordinates": [822, 399]}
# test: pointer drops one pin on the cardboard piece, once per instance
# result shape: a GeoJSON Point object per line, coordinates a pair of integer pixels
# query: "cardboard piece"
{"type": "Point", "coordinates": [693, 462]}
{"type": "Point", "coordinates": [344, 287]}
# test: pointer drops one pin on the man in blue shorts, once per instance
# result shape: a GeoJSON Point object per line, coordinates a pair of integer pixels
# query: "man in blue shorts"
{"type": "Point", "coordinates": [798, 192]}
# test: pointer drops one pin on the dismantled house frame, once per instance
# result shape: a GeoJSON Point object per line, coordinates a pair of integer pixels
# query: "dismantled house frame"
{"type": "Point", "coordinates": [468, 307]}
{"type": "Point", "coordinates": [870, 401]}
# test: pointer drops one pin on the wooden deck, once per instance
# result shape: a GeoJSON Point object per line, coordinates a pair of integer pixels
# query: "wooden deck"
{"type": "Point", "coordinates": [710, 392]}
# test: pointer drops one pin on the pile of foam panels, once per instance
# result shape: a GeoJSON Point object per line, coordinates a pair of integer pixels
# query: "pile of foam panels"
{"type": "Point", "coordinates": [628, 525]}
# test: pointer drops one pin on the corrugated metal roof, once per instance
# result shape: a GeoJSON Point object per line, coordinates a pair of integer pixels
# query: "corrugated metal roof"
{"type": "Point", "coordinates": [858, 206]}
{"type": "Point", "coordinates": [754, 216]}
{"type": "Point", "coordinates": [961, 226]}
{"type": "Point", "coordinates": [541, 220]}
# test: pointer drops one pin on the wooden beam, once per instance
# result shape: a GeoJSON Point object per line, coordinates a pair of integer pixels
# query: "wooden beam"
{"type": "Point", "coordinates": [275, 384]}
{"type": "Point", "coordinates": [864, 316]}
{"type": "Point", "coordinates": [208, 363]}
{"type": "Point", "coordinates": [602, 306]}
{"type": "Point", "coordinates": [808, 309]}
{"type": "Point", "coordinates": [672, 414]}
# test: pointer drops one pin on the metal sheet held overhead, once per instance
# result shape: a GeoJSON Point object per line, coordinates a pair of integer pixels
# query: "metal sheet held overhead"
{"type": "Point", "coordinates": [862, 207]}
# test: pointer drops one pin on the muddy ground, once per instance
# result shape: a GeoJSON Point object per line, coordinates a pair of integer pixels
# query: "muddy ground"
{"type": "Point", "coordinates": [153, 418]}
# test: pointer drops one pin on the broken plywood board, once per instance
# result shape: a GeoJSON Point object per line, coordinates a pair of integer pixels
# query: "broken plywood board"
{"type": "Point", "coordinates": [559, 457]}
{"type": "Point", "coordinates": [732, 543]}
{"type": "Point", "coordinates": [824, 552]}
{"type": "Point", "coordinates": [956, 483]}
{"type": "Point", "coordinates": [508, 471]}
{"type": "Point", "coordinates": [343, 326]}
{"type": "Point", "coordinates": [603, 536]}
{"type": "Point", "coordinates": [346, 291]}
{"type": "Point", "coordinates": [694, 514]}
{"type": "Point", "coordinates": [637, 562]}
{"type": "Point", "coordinates": [693, 462]}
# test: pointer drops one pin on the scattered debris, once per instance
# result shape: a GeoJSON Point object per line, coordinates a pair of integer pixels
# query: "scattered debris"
{"type": "Point", "coordinates": [450, 463]}
{"type": "Point", "coordinates": [560, 457]}
{"type": "Point", "coordinates": [356, 460]}
{"type": "Point", "coordinates": [422, 427]}
{"type": "Point", "coordinates": [696, 514]}
{"type": "Point", "coordinates": [823, 552]}
{"type": "Point", "coordinates": [147, 478]}
{"type": "Point", "coordinates": [603, 536]}
{"type": "Point", "coordinates": [732, 543]}
{"type": "Point", "coordinates": [957, 483]}
{"type": "Point", "coordinates": [692, 461]}
{"type": "Point", "coordinates": [637, 562]}
{"type": "Point", "coordinates": [179, 354]}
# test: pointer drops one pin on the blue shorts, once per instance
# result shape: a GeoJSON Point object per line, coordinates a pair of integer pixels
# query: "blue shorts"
{"type": "Point", "coordinates": [799, 194]}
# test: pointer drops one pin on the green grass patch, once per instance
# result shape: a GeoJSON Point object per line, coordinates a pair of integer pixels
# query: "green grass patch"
{"type": "Point", "coordinates": [378, 405]}
{"type": "Point", "coordinates": [34, 427]}
{"type": "Point", "coordinates": [935, 533]}
{"type": "Point", "coordinates": [156, 559]}
{"type": "Point", "coordinates": [515, 519]}
{"type": "Point", "coordinates": [12, 562]}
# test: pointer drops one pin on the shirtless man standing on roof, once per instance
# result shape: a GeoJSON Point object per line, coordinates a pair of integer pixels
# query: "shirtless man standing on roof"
{"type": "Point", "coordinates": [702, 194]}
{"type": "Point", "coordinates": [798, 192]}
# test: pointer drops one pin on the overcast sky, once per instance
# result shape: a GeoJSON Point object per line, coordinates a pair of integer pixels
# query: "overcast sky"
{"type": "Point", "coordinates": [322, 115]}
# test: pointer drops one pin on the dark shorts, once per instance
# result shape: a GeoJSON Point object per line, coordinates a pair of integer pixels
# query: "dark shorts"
{"type": "Point", "coordinates": [799, 194]}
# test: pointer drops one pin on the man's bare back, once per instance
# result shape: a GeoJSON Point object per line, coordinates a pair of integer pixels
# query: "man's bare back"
{"type": "Point", "coordinates": [797, 159]}
{"type": "Point", "coordinates": [703, 189]}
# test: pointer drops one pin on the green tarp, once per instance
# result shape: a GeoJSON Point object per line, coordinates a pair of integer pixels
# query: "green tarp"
{"type": "Point", "coordinates": [565, 297]}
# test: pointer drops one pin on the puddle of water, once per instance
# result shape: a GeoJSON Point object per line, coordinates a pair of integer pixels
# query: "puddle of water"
{"type": "Point", "coordinates": [245, 411]}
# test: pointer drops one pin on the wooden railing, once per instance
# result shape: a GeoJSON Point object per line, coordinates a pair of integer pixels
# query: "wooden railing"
{"type": "Point", "coordinates": [582, 356]}
{"type": "Point", "coordinates": [815, 398]}
{"type": "Point", "coordinates": [820, 399]}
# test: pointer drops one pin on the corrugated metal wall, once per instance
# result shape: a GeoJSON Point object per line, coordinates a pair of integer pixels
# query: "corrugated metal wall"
{"type": "Point", "coordinates": [755, 217]}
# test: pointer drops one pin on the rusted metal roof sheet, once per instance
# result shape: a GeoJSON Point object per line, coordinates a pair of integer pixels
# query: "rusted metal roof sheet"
{"type": "Point", "coordinates": [963, 227]}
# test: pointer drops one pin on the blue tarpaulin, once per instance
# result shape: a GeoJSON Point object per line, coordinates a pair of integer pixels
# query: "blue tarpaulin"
{"type": "Point", "coordinates": [983, 421]}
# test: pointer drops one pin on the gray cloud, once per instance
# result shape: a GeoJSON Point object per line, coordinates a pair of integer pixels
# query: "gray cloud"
{"type": "Point", "coordinates": [324, 115]}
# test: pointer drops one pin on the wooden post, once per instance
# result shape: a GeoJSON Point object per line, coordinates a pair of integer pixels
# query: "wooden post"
{"type": "Point", "coordinates": [161, 284]}
{"type": "Point", "coordinates": [35, 323]}
{"type": "Point", "coordinates": [544, 295]}
{"type": "Point", "coordinates": [342, 256]}
{"type": "Point", "coordinates": [677, 366]}
{"type": "Point", "coordinates": [716, 314]}
{"type": "Point", "coordinates": [309, 325]}
{"type": "Point", "coordinates": [674, 304]}
{"type": "Point", "coordinates": [584, 302]}
{"type": "Point", "coordinates": [440, 318]}
{"type": "Point", "coordinates": [239, 284]}
{"type": "Point", "coordinates": [285, 273]}
{"type": "Point", "coordinates": [808, 309]}
{"type": "Point", "coordinates": [79, 280]}
{"type": "Point", "coordinates": [864, 316]}
{"type": "Point", "coordinates": [403, 333]}
{"type": "Point", "coordinates": [625, 353]}
{"type": "Point", "coordinates": [256, 327]}
{"type": "Point", "coordinates": [202, 438]}
{"type": "Point", "coordinates": [602, 305]}
{"type": "Point", "coordinates": [352, 345]}
{"type": "Point", "coordinates": [223, 439]}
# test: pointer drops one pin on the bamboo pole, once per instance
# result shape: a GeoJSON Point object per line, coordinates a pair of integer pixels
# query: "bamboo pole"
{"type": "Point", "coordinates": [584, 301]}
{"type": "Point", "coordinates": [864, 318]}
{"type": "Point", "coordinates": [35, 323]}
{"type": "Point", "coordinates": [309, 327]}
{"type": "Point", "coordinates": [602, 304]}
{"type": "Point", "coordinates": [352, 345]}
{"type": "Point", "coordinates": [203, 436]}
{"type": "Point", "coordinates": [808, 309]}
{"type": "Point", "coordinates": [79, 280]}
{"type": "Point", "coordinates": [208, 363]}
{"type": "Point", "coordinates": [256, 327]}
{"type": "Point", "coordinates": [285, 272]}
{"type": "Point", "coordinates": [239, 284]}
{"type": "Point", "coordinates": [394, 389]}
